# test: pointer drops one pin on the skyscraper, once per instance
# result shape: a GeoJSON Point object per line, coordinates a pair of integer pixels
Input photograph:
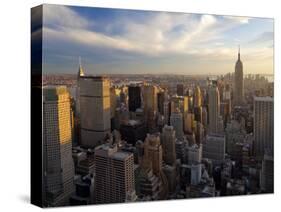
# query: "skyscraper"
{"type": "Point", "coordinates": [95, 109]}
{"type": "Point", "coordinates": [194, 154]}
{"type": "Point", "coordinates": [239, 82]}
{"type": "Point", "coordinates": [176, 120]}
{"type": "Point", "coordinates": [267, 176]}
{"type": "Point", "coordinates": [197, 97]}
{"type": "Point", "coordinates": [167, 111]}
{"type": "Point", "coordinates": [150, 107]}
{"type": "Point", "coordinates": [263, 125]}
{"type": "Point", "coordinates": [168, 140]}
{"type": "Point", "coordinates": [214, 148]}
{"type": "Point", "coordinates": [150, 97]}
{"type": "Point", "coordinates": [57, 147]}
{"type": "Point", "coordinates": [214, 108]}
{"type": "Point", "coordinates": [153, 154]}
{"type": "Point", "coordinates": [113, 102]}
{"type": "Point", "coordinates": [160, 102]}
{"type": "Point", "coordinates": [134, 98]}
{"type": "Point", "coordinates": [153, 151]}
{"type": "Point", "coordinates": [180, 90]}
{"type": "Point", "coordinates": [189, 123]}
{"type": "Point", "coordinates": [114, 175]}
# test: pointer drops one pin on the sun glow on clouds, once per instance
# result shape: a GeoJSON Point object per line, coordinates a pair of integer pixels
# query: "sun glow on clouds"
{"type": "Point", "coordinates": [159, 35]}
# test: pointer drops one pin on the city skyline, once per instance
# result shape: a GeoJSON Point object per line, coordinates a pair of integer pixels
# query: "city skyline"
{"type": "Point", "coordinates": [117, 41]}
{"type": "Point", "coordinates": [117, 137]}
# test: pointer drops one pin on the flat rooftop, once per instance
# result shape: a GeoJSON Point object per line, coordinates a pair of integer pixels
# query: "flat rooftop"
{"type": "Point", "coordinates": [263, 98]}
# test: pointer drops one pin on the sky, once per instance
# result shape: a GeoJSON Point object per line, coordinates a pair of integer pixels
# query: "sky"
{"type": "Point", "coordinates": [116, 41]}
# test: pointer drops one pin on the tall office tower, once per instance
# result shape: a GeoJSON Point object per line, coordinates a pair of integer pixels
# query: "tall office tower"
{"type": "Point", "coordinates": [189, 123]}
{"type": "Point", "coordinates": [167, 112]}
{"type": "Point", "coordinates": [168, 139]}
{"type": "Point", "coordinates": [180, 89]}
{"type": "Point", "coordinates": [263, 125]}
{"type": "Point", "coordinates": [176, 120]}
{"type": "Point", "coordinates": [151, 121]}
{"type": "Point", "coordinates": [204, 116]}
{"type": "Point", "coordinates": [185, 104]}
{"type": "Point", "coordinates": [180, 149]}
{"type": "Point", "coordinates": [58, 166]}
{"type": "Point", "coordinates": [160, 102]}
{"type": "Point", "coordinates": [180, 102]}
{"type": "Point", "coordinates": [150, 106]}
{"type": "Point", "coordinates": [267, 176]}
{"type": "Point", "coordinates": [114, 175]}
{"type": "Point", "coordinates": [197, 97]}
{"type": "Point", "coordinates": [214, 148]}
{"type": "Point", "coordinates": [198, 114]}
{"type": "Point", "coordinates": [150, 97]}
{"type": "Point", "coordinates": [234, 134]}
{"type": "Point", "coordinates": [123, 96]}
{"type": "Point", "coordinates": [199, 132]}
{"type": "Point", "coordinates": [150, 186]}
{"type": "Point", "coordinates": [153, 151]}
{"type": "Point", "coordinates": [175, 103]}
{"type": "Point", "coordinates": [190, 103]}
{"type": "Point", "coordinates": [113, 102]}
{"type": "Point", "coordinates": [214, 109]}
{"type": "Point", "coordinates": [134, 98]}
{"type": "Point", "coordinates": [238, 83]}
{"type": "Point", "coordinates": [95, 109]}
{"type": "Point", "coordinates": [153, 154]}
{"type": "Point", "coordinates": [227, 97]}
{"type": "Point", "coordinates": [195, 174]}
{"type": "Point", "coordinates": [194, 154]}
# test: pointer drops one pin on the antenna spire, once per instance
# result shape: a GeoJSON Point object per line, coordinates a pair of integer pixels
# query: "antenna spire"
{"type": "Point", "coordinates": [238, 52]}
{"type": "Point", "coordinates": [80, 72]}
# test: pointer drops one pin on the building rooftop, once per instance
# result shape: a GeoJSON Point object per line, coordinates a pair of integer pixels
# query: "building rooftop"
{"type": "Point", "coordinates": [263, 98]}
{"type": "Point", "coordinates": [94, 77]}
{"type": "Point", "coordinates": [121, 155]}
{"type": "Point", "coordinates": [52, 93]}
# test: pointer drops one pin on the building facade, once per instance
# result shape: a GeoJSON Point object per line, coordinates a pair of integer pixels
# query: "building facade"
{"type": "Point", "coordinates": [95, 109]}
{"type": "Point", "coordinates": [239, 82]}
{"type": "Point", "coordinates": [58, 166]}
{"type": "Point", "coordinates": [134, 98]}
{"type": "Point", "coordinates": [263, 125]}
{"type": "Point", "coordinates": [213, 109]}
{"type": "Point", "coordinates": [114, 175]}
{"type": "Point", "coordinates": [168, 140]}
{"type": "Point", "coordinates": [176, 120]}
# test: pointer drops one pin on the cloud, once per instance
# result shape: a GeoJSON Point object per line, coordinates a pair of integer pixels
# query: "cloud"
{"type": "Point", "coordinates": [158, 34]}
{"type": "Point", "coordinates": [263, 38]}
{"type": "Point", "coordinates": [62, 16]}
{"type": "Point", "coordinates": [155, 36]}
{"type": "Point", "coordinates": [239, 19]}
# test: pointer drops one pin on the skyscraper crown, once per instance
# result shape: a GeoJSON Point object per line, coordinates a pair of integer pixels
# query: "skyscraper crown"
{"type": "Point", "coordinates": [80, 70]}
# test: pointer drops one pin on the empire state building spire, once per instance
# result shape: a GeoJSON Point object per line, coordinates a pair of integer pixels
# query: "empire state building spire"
{"type": "Point", "coordinates": [239, 52]}
{"type": "Point", "coordinates": [80, 70]}
{"type": "Point", "coordinates": [239, 82]}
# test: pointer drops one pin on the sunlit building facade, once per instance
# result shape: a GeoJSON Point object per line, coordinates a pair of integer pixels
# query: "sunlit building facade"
{"type": "Point", "coordinates": [58, 166]}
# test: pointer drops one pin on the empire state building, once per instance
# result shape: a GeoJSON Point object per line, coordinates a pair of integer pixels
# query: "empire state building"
{"type": "Point", "coordinates": [238, 83]}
